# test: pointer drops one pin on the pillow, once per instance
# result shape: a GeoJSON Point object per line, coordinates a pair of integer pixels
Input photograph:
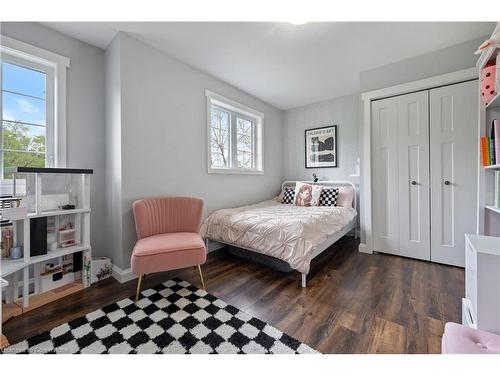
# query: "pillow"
{"type": "Point", "coordinates": [345, 197]}
{"type": "Point", "coordinates": [307, 194]}
{"type": "Point", "coordinates": [287, 195]}
{"type": "Point", "coordinates": [328, 197]}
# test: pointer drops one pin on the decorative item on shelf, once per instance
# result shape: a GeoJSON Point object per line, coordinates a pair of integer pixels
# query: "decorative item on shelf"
{"type": "Point", "coordinates": [55, 278]}
{"type": "Point", "coordinates": [66, 235]}
{"type": "Point", "coordinates": [497, 74]}
{"type": "Point", "coordinates": [493, 42]}
{"type": "Point", "coordinates": [67, 263]}
{"type": "Point", "coordinates": [488, 83]}
{"type": "Point", "coordinates": [7, 239]}
{"type": "Point", "coordinates": [101, 268]}
{"type": "Point", "coordinates": [321, 147]}
{"type": "Point", "coordinates": [315, 178]}
{"type": "Point", "coordinates": [16, 252]}
{"type": "Point", "coordinates": [10, 210]}
{"type": "Point", "coordinates": [87, 267]}
{"type": "Point", "coordinates": [67, 207]}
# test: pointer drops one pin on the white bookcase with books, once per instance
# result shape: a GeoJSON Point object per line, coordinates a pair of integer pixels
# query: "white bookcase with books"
{"type": "Point", "coordinates": [488, 212]}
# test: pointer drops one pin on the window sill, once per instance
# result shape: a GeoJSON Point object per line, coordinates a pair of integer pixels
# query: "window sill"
{"type": "Point", "coordinates": [234, 171]}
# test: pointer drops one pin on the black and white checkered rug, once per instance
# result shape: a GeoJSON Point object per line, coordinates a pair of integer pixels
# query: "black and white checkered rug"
{"type": "Point", "coordinates": [173, 317]}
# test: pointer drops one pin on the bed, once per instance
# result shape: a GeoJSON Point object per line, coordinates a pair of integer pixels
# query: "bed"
{"type": "Point", "coordinates": [292, 234]}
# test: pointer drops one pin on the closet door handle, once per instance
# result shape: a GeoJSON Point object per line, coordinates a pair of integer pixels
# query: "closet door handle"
{"type": "Point", "coordinates": [414, 182]}
{"type": "Point", "coordinates": [447, 183]}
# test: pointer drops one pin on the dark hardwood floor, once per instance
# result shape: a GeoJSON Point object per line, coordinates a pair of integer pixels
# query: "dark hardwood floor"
{"type": "Point", "coordinates": [354, 302]}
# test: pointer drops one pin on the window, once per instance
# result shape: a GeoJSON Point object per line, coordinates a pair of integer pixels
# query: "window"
{"type": "Point", "coordinates": [234, 137]}
{"type": "Point", "coordinates": [24, 115]}
{"type": "Point", "coordinates": [32, 107]}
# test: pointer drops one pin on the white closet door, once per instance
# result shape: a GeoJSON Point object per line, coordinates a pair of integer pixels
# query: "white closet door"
{"type": "Point", "coordinates": [385, 175]}
{"type": "Point", "coordinates": [454, 163]}
{"type": "Point", "coordinates": [413, 158]}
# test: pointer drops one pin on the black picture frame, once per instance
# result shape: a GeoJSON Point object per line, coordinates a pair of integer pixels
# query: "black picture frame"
{"type": "Point", "coordinates": [325, 147]}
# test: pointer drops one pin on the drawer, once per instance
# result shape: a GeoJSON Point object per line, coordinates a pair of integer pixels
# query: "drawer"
{"type": "Point", "coordinates": [468, 315]}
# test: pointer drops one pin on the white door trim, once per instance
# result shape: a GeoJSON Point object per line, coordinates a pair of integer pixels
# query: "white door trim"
{"type": "Point", "coordinates": [367, 98]}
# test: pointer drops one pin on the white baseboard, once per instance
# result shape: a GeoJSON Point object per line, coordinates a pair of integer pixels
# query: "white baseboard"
{"type": "Point", "coordinates": [122, 276]}
{"type": "Point", "coordinates": [364, 249]}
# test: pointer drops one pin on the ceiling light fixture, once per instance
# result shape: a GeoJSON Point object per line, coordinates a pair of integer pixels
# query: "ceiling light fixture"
{"type": "Point", "coordinates": [298, 22]}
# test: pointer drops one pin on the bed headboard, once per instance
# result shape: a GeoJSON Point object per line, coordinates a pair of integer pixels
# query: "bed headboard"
{"type": "Point", "coordinates": [329, 184]}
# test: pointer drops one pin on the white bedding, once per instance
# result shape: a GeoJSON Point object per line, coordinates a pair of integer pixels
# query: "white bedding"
{"type": "Point", "coordinates": [284, 231]}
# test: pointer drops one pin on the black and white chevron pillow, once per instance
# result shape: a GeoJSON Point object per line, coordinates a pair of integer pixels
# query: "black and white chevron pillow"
{"type": "Point", "coordinates": [328, 197]}
{"type": "Point", "coordinates": [288, 195]}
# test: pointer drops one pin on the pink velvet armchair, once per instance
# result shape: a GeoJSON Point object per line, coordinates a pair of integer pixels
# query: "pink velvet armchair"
{"type": "Point", "coordinates": [168, 236]}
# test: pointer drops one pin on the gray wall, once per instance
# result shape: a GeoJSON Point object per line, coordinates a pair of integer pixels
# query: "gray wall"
{"type": "Point", "coordinates": [163, 137]}
{"type": "Point", "coordinates": [342, 112]}
{"type": "Point", "coordinates": [113, 151]}
{"type": "Point", "coordinates": [85, 110]}
{"type": "Point", "coordinates": [451, 59]}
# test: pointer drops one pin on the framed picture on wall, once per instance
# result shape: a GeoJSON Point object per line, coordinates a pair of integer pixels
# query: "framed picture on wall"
{"type": "Point", "coordinates": [321, 147]}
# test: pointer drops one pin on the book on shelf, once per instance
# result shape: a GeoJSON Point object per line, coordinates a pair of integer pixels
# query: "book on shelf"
{"type": "Point", "coordinates": [485, 156]}
{"type": "Point", "coordinates": [490, 145]}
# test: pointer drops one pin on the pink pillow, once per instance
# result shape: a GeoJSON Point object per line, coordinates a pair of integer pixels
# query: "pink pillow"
{"type": "Point", "coordinates": [345, 197]}
{"type": "Point", "coordinates": [307, 194]}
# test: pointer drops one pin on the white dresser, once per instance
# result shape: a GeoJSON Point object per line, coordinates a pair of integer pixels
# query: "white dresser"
{"type": "Point", "coordinates": [481, 305]}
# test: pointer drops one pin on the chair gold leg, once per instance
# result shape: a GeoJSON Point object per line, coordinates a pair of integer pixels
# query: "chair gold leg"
{"type": "Point", "coordinates": [201, 277]}
{"type": "Point", "coordinates": [138, 288]}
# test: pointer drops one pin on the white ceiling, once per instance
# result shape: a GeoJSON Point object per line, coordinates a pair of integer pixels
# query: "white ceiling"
{"type": "Point", "coordinates": [283, 64]}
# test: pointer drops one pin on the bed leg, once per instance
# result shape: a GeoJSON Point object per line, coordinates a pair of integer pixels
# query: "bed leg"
{"type": "Point", "coordinates": [303, 280]}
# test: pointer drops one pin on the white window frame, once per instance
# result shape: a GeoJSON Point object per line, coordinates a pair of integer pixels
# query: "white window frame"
{"type": "Point", "coordinates": [55, 66]}
{"type": "Point", "coordinates": [243, 112]}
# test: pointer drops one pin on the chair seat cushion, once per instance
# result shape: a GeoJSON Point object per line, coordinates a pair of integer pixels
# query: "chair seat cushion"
{"type": "Point", "coordinates": [167, 251]}
{"type": "Point", "coordinates": [460, 339]}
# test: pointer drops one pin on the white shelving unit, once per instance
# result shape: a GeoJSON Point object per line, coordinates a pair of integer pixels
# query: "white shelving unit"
{"type": "Point", "coordinates": [36, 189]}
{"type": "Point", "coordinates": [481, 305]}
{"type": "Point", "coordinates": [488, 215]}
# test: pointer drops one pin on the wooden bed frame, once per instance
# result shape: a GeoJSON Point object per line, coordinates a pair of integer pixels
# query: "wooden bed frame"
{"type": "Point", "coordinates": [330, 240]}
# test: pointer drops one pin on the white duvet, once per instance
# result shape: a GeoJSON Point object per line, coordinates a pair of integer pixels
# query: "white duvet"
{"type": "Point", "coordinates": [284, 231]}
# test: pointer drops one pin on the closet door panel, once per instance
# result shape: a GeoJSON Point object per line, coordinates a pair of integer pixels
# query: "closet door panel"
{"type": "Point", "coordinates": [384, 176]}
{"type": "Point", "coordinates": [413, 159]}
{"type": "Point", "coordinates": [454, 163]}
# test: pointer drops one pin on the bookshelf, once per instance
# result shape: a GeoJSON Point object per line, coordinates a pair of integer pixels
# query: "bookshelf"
{"type": "Point", "coordinates": [488, 215]}
{"type": "Point", "coordinates": [59, 198]}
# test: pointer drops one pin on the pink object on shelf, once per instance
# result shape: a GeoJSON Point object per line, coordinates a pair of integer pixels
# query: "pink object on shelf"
{"type": "Point", "coordinates": [460, 339]}
{"type": "Point", "coordinates": [496, 132]}
{"type": "Point", "coordinates": [488, 83]}
{"type": "Point", "coordinates": [168, 234]}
